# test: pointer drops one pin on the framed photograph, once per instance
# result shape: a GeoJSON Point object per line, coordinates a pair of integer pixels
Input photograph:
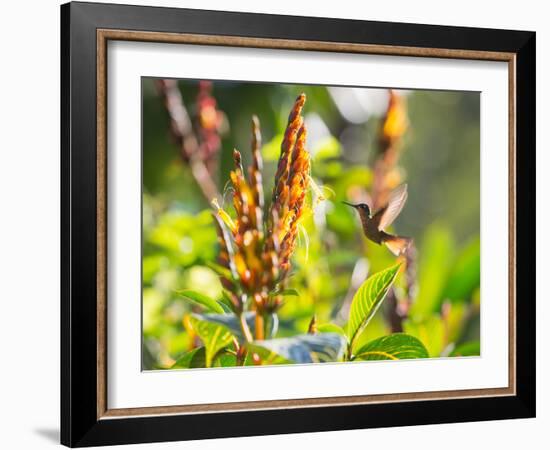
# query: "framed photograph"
{"type": "Point", "coordinates": [276, 224]}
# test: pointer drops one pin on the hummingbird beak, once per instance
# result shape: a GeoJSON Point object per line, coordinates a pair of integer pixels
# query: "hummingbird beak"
{"type": "Point", "coordinates": [350, 204]}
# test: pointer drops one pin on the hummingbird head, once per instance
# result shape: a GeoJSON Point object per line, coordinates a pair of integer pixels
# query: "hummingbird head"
{"type": "Point", "coordinates": [363, 208]}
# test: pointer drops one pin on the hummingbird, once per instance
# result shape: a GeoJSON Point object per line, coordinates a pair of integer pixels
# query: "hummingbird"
{"type": "Point", "coordinates": [375, 224]}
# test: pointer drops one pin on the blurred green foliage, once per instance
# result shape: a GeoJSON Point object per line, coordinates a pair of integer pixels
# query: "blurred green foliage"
{"type": "Point", "coordinates": [440, 163]}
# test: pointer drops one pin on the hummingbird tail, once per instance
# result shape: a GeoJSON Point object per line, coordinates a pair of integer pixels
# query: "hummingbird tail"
{"type": "Point", "coordinates": [396, 244]}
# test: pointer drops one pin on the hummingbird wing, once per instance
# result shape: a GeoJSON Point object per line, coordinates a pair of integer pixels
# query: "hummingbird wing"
{"type": "Point", "coordinates": [386, 215]}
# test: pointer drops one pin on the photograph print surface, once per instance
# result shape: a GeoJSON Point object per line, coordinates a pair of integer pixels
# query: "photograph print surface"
{"type": "Point", "coordinates": [299, 224]}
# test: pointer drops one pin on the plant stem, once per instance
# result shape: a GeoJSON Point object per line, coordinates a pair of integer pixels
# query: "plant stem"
{"type": "Point", "coordinates": [399, 308]}
{"type": "Point", "coordinates": [348, 355]}
{"type": "Point", "coordinates": [350, 346]}
{"type": "Point", "coordinates": [244, 326]}
{"type": "Point", "coordinates": [394, 317]}
{"type": "Point", "coordinates": [241, 356]}
{"type": "Point", "coordinates": [260, 326]}
{"type": "Point", "coordinates": [182, 130]}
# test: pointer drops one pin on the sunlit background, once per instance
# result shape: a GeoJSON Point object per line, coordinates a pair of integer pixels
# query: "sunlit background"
{"type": "Point", "coordinates": [438, 159]}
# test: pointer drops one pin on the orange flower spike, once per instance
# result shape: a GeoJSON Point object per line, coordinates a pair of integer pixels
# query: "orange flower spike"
{"type": "Point", "coordinates": [396, 121]}
{"type": "Point", "coordinates": [287, 245]}
{"type": "Point", "coordinates": [226, 218]}
{"type": "Point", "coordinates": [243, 198]}
{"type": "Point", "coordinates": [238, 162]}
{"type": "Point", "coordinates": [299, 172]}
{"type": "Point", "coordinates": [237, 201]}
{"type": "Point", "coordinates": [271, 269]}
{"type": "Point", "coordinates": [299, 183]}
{"type": "Point", "coordinates": [226, 257]}
{"type": "Point", "coordinates": [242, 270]}
{"type": "Point", "coordinates": [282, 187]}
{"type": "Point", "coordinates": [250, 244]}
{"type": "Point", "coordinates": [257, 163]}
{"type": "Point", "coordinates": [236, 179]}
{"type": "Point", "coordinates": [262, 252]}
{"type": "Point", "coordinates": [286, 224]}
{"type": "Point", "coordinates": [393, 127]}
{"type": "Point", "coordinates": [295, 122]}
{"type": "Point", "coordinates": [255, 175]}
{"type": "Point", "coordinates": [248, 200]}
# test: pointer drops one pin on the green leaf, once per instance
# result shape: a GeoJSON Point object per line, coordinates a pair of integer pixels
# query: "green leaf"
{"type": "Point", "coordinates": [225, 359]}
{"type": "Point", "coordinates": [301, 349]}
{"type": "Point", "coordinates": [215, 337]}
{"type": "Point", "coordinates": [435, 259]}
{"type": "Point", "coordinates": [226, 303]}
{"type": "Point", "coordinates": [471, 348]}
{"type": "Point", "coordinates": [368, 299]}
{"type": "Point", "coordinates": [464, 277]}
{"type": "Point", "coordinates": [220, 270]}
{"type": "Point", "coordinates": [196, 358]}
{"type": "Point", "coordinates": [456, 319]}
{"type": "Point", "coordinates": [231, 322]}
{"type": "Point", "coordinates": [331, 328]}
{"type": "Point", "coordinates": [191, 359]}
{"type": "Point", "coordinates": [394, 346]}
{"type": "Point", "coordinates": [431, 330]}
{"type": "Point", "coordinates": [286, 292]}
{"type": "Point", "coordinates": [203, 300]}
